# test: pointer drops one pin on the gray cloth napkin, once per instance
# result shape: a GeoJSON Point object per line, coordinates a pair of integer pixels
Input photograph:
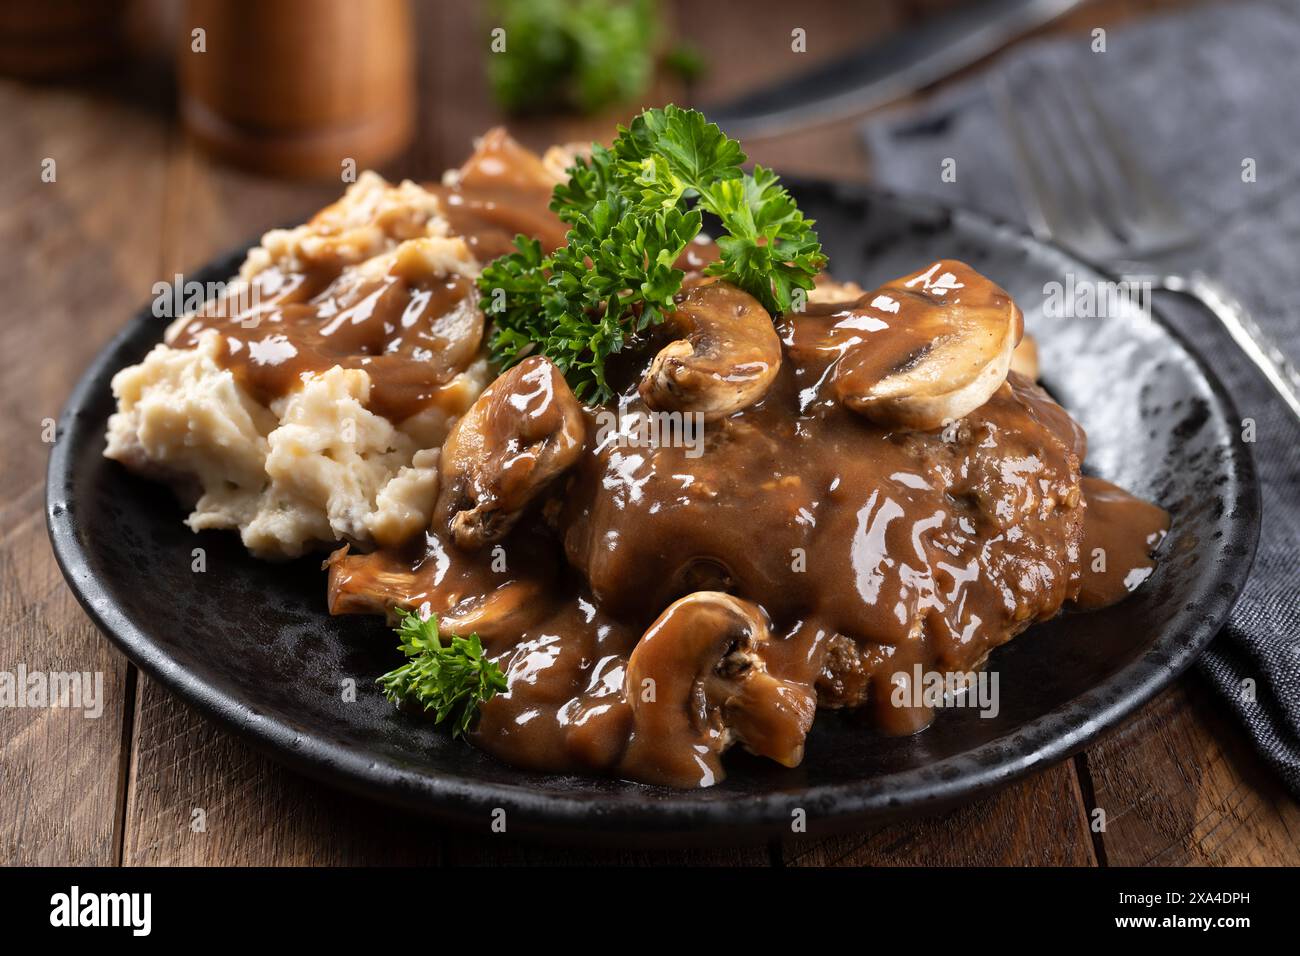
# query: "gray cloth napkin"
{"type": "Point", "coordinates": [1197, 92]}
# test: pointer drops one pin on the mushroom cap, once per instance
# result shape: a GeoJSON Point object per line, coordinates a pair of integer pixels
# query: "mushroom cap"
{"type": "Point", "coordinates": [524, 430]}
{"type": "Point", "coordinates": [725, 357]}
{"type": "Point", "coordinates": [697, 682]}
{"type": "Point", "coordinates": [931, 347]}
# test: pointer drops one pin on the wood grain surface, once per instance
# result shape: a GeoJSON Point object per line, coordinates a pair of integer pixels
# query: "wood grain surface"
{"type": "Point", "coordinates": [134, 202]}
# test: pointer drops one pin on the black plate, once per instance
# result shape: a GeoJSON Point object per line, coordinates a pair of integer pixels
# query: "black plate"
{"type": "Point", "coordinates": [251, 646]}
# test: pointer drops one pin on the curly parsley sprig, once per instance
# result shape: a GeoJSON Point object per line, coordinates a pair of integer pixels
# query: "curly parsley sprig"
{"type": "Point", "coordinates": [450, 679]}
{"type": "Point", "coordinates": [632, 209]}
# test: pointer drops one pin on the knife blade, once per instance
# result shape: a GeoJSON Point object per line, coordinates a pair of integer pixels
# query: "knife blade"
{"type": "Point", "coordinates": [905, 62]}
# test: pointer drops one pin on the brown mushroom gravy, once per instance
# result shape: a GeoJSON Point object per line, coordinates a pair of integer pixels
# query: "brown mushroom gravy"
{"type": "Point", "coordinates": [411, 337]}
{"type": "Point", "coordinates": [410, 328]}
{"type": "Point", "coordinates": [502, 191]}
{"type": "Point", "coordinates": [1120, 535]}
{"type": "Point", "coordinates": [654, 604]}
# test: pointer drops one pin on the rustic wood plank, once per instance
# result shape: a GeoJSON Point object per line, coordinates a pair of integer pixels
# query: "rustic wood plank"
{"type": "Point", "coordinates": [744, 51]}
{"type": "Point", "coordinates": [61, 772]}
{"type": "Point", "coordinates": [199, 796]}
{"type": "Point", "coordinates": [79, 254]}
{"type": "Point", "coordinates": [1180, 785]}
{"type": "Point", "coordinates": [1037, 822]}
{"type": "Point", "coordinates": [211, 209]}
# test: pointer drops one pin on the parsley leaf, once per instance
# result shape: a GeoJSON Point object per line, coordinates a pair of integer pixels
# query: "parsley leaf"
{"type": "Point", "coordinates": [632, 209]}
{"type": "Point", "coordinates": [770, 248]}
{"type": "Point", "coordinates": [449, 679]}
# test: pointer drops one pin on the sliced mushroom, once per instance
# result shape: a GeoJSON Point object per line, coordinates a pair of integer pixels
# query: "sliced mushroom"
{"type": "Point", "coordinates": [827, 289]}
{"type": "Point", "coordinates": [500, 162]}
{"type": "Point", "coordinates": [524, 430]}
{"type": "Point", "coordinates": [932, 347]}
{"type": "Point", "coordinates": [725, 356]}
{"type": "Point", "coordinates": [559, 158]}
{"type": "Point", "coordinates": [1025, 358]}
{"type": "Point", "coordinates": [495, 596]}
{"type": "Point", "coordinates": [697, 683]}
{"type": "Point", "coordinates": [502, 613]}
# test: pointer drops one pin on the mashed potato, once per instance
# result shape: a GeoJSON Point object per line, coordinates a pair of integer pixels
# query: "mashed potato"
{"type": "Point", "coordinates": [315, 466]}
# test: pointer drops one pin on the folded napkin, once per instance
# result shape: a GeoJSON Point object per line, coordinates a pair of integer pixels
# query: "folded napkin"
{"type": "Point", "coordinates": [1198, 92]}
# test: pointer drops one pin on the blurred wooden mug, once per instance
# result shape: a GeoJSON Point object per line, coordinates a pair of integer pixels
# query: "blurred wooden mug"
{"type": "Point", "coordinates": [298, 87]}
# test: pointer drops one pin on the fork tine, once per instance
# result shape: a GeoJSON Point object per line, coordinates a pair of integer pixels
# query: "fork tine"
{"type": "Point", "coordinates": [1110, 197]}
{"type": "Point", "coordinates": [1040, 204]}
{"type": "Point", "coordinates": [1160, 209]}
{"type": "Point", "coordinates": [1063, 209]}
{"type": "Point", "coordinates": [1091, 233]}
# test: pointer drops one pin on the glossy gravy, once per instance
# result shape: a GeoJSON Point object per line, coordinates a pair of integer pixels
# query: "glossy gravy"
{"type": "Point", "coordinates": [410, 332]}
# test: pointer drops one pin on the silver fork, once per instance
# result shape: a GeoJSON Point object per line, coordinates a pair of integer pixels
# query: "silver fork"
{"type": "Point", "coordinates": [1112, 212]}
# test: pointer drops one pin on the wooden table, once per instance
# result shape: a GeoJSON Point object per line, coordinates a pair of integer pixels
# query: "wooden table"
{"type": "Point", "coordinates": [133, 202]}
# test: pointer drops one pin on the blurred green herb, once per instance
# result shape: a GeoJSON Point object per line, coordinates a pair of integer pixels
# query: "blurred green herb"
{"type": "Point", "coordinates": [582, 54]}
{"type": "Point", "coordinates": [449, 679]}
{"type": "Point", "coordinates": [685, 62]}
{"type": "Point", "coordinates": [632, 209]}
